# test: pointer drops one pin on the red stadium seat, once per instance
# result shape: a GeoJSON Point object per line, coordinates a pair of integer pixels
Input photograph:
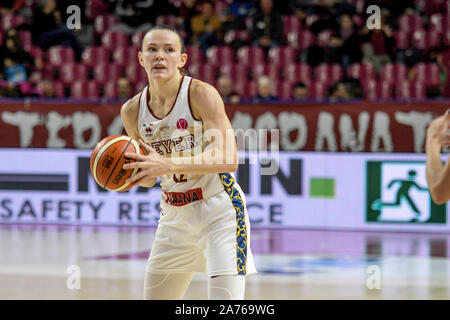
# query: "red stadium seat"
{"type": "Point", "coordinates": [374, 90]}
{"type": "Point", "coordinates": [82, 89]}
{"type": "Point", "coordinates": [204, 72]}
{"type": "Point", "coordinates": [220, 9]}
{"type": "Point", "coordinates": [104, 22]}
{"type": "Point", "coordinates": [362, 71]}
{"type": "Point", "coordinates": [233, 35]}
{"type": "Point", "coordinates": [300, 41]}
{"type": "Point", "coordinates": [220, 55]}
{"type": "Point", "coordinates": [110, 90]}
{"type": "Point", "coordinates": [358, 21]}
{"type": "Point", "coordinates": [425, 40]}
{"type": "Point", "coordinates": [59, 89]}
{"type": "Point", "coordinates": [140, 85]}
{"type": "Point", "coordinates": [115, 39]}
{"type": "Point", "coordinates": [125, 55]}
{"type": "Point", "coordinates": [328, 73]}
{"type": "Point", "coordinates": [60, 55]}
{"type": "Point", "coordinates": [135, 73]}
{"type": "Point", "coordinates": [195, 55]}
{"type": "Point", "coordinates": [69, 73]}
{"type": "Point", "coordinates": [318, 90]}
{"type": "Point", "coordinates": [241, 86]}
{"type": "Point", "coordinates": [36, 52]}
{"type": "Point", "coordinates": [410, 90]}
{"type": "Point", "coordinates": [437, 23]}
{"type": "Point", "coordinates": [269, 70]}
{"type": "Point", "coordinates": [252, 88]}
{"type": "Point", "coordinates": [11, 21]}
{"type": "Point", "coordinates": [428, 74]}
{"type": "Point", "coordinates": [250, 55]}
{"type": "Point", "coordinates": [305, 39]}
{"type": "Point", "coordinates": [298, 73]}
{"type": "Point", "coordinates": [401, 39]}
{"type": "Point", "coordinates": [105, 72]}
{"type": "Point", "coordinates": [281, 56]}
{"type": "Point", "coordinates": [235, 72]}
{"type": "Point", "coordinates": [136, 39]}
{"type": "Point", "coordinates": [394, 73]}
{"type": "Point", "coordinates": [94, 55]}
{"type": "Point", "coordinates": [25, 39]}
{"type": "Point", "coordinates": [95, 8]}
{"type": "Point", "coordinates": [291, 24]}
{"type": "Point", "coordinates": [283, 89]}
{"type": "Point", "coordinates": [409, 23]}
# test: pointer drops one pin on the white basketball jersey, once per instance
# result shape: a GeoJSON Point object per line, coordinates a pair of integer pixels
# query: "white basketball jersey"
{"type": "Point", "coordinates": [179, 133]}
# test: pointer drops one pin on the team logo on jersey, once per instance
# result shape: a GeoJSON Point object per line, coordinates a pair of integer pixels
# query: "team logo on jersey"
{"type": "Point", "coordinates": [182, 124]}
{"type": "Point", "coordinates": [148, 130]}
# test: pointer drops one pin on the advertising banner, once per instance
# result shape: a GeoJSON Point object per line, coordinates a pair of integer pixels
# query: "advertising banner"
{"type": "Point", "coordinates": [335, 127]}
{"type": "Point", "coordinates": [310, 190]}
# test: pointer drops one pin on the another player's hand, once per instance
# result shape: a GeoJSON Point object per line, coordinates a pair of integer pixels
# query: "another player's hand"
{"type": "Point", "coordinates": [437, 132]}
{"type": "Point", "coordinates": [152, 165]}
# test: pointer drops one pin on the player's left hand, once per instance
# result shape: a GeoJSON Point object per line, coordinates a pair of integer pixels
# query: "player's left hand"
{"type": "Point", "coordinates": [437, 132]}
{"type": "Point", "coordinates": [152, 164]}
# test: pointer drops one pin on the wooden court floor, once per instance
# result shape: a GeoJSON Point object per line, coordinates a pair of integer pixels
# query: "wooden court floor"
{"type": "Point", "coordinates": [37, 262]}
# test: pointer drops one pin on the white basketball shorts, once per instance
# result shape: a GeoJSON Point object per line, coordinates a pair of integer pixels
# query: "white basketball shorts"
{"type": "Point", "coordinates": [211, 235]}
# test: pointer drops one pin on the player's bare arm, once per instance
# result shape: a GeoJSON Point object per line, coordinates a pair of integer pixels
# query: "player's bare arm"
{"type": "Point", "coordinates": [129, 113]}
{"type": "Point", "coordinates": [220, 156]}
{"type": "Point", "coordinates": [438, 175]}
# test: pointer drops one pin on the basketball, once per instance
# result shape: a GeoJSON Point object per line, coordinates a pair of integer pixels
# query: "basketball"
{"type": "Point", "coordinates": [107, 160]}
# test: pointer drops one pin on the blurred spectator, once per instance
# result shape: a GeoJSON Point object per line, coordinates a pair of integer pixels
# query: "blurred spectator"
{"type": "Point", "coordinates": [242, 9]}
{"type": "Point", "coordinates": [16, 62]}
{"type": "Point", "coordinates": [238, 12]}
{"type": "Point", "coordinates": [235, 98]}
{"type": "Point", "coordinates": [10, 90]}
{"type": "Point", "coordinates": [206, 27]}
{"type": "Point", "coordinates": [138, 16]}
{"type": "Point", "coordinates": [264, 91]}
{"type": "Point", "coordinates": [15, 72]}
{"type": "Point", "coordinates": [379, 46]}
{"type": "Point", "coordinates": [124, 90]}
{"type": "Point", "coordinates": [130, 18]}
{"type": "Point", "coordinates": [338, 92]}
{"type": "Point", "coordinates": [267, 26]}
{"type": "Point", "coordinates": [225, 88]}
{"type": "Point", "coordinates": [315, 54]}
{"type": "Point", "coordinates": [47, 89]}
{"type": "Point", "coordinates": [187, 10]}
{"type": "Point", "coordinates": [345, 89]}
{"type": "Point", "coordinates": [351, 41]}
{"type": "Point", "coordinates": [48, 30]}
{"type": "Point", "coordinates": [334, 53]}
{"type": "Point", "coordinates": [300, 92]}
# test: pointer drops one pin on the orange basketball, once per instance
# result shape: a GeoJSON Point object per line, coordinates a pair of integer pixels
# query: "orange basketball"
{"type": "Point", "coordinates": [107, 160]}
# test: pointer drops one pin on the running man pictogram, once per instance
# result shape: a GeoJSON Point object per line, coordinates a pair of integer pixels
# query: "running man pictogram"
{"type": "Point", "coordinates": [402, 192]}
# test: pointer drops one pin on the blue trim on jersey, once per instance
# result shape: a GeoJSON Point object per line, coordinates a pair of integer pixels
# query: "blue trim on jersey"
{"type": "Point", "coordinates": [241, 230]}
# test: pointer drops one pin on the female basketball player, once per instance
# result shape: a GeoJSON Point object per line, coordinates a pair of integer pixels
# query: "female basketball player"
{"type": "Point", "coordinates": [203, 225]}
{"type": "Point", "coordinates": [438, 175]}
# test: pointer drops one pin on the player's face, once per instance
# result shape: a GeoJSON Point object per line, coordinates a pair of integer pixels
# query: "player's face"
{"type": "Point", "coordinates": [161, 54]}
